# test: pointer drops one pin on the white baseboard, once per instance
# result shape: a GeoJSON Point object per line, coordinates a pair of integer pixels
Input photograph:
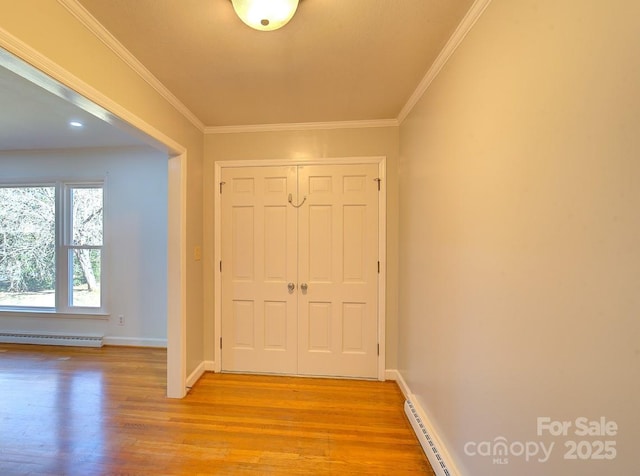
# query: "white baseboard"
{"type": "Point", "coordinates": [391, 374]}
{"type": "Point", "coordinates": [195, 375]}
{"type": "Point", "coordinates": [397, 378]}
{"type": "Point", "coordinates": [135, 341]}
{"type": "Point", "coordinates": [440, 459]}
{"type": "Point", "coordinates": [204, 366]}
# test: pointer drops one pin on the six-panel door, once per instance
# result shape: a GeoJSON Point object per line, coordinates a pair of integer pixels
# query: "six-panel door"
{"type": "Point", "coordinates": [338, 262]}
{"type": "Point", "coordinates": [259, 259]}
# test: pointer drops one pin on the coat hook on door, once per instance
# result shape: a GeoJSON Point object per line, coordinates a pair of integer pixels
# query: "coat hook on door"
{"type": "Point", "coordinates": [300, 204]}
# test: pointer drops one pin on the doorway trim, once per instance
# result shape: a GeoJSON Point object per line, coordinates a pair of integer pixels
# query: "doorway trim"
{"type": "Point", "coordinates": [177, 193]}
{"type": "Point", "coordinates": [381, 161]}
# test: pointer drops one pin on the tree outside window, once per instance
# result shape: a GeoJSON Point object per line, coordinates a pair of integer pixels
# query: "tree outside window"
{"type": "Point", "coordinates": [85, 249]}
{"type": "Point", "coordinates": [35, 271]}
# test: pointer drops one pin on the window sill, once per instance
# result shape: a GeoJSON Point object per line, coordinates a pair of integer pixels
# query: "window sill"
{"type": "Point", "coordinates": [53, 314]}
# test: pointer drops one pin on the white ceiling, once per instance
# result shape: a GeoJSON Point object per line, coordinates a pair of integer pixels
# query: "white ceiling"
{"type": "Point", "coordinates": [337, 60]}
{"type": "Point", "coordinates": [36, 111]}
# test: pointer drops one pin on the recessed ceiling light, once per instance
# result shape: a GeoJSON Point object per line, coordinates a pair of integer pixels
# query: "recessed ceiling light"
{"type": "Point", "coordinates": [75, 124]}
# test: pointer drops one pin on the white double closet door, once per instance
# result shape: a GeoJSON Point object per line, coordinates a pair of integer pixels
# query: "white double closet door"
{"type": "Point", "coordinates": [299, 249]}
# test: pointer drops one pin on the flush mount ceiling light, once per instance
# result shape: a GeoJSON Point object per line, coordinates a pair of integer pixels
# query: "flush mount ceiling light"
{"type": "Point", "coordinates": [265, 15]}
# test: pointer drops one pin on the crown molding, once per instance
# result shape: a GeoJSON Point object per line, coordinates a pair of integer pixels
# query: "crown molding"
{"type": "Point", "coordinates": [95, 27]}
{"type": "Point", "coordinates": [113, 112]}
{"type": "Point", "coordinates": [459, 34]}
{"type": "Point", "coordinates": [302, 126]}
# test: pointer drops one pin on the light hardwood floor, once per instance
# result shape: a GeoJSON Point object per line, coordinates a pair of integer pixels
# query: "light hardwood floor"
{"type": "Point", "coordinates": [71, 411]}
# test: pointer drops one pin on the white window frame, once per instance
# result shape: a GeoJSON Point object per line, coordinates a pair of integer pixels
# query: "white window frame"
{"type": "Point", "coordinates": [64, 246]}
{"type": "Point", "coordinates": [63, 260]}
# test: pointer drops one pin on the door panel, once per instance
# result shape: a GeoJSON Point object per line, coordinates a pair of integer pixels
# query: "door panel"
{"type": "Point", "coordinates": [337, 259]}
{"type": "Point", "coordinates": [259, 327]}
{"type": "Point", "coordinates": [320, 242]}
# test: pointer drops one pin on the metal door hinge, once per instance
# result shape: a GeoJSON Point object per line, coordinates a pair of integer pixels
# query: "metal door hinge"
{"type": "Point", "coordinates": [221, 184]}
{"type": "Point", "coordinates": [378, 349]}
{"type": "Point", "coordinates": [378, 267]}
{"type": "Point", "coordinates": [220, 342]}
{"type": "Point", "coordinates": [378, 180]}
{"type": "Point", "coordinates": [221, 266]}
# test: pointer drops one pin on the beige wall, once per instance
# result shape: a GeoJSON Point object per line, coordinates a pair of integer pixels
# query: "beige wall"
{"type": "Point", "coordinates": [520, 234]}
{"type": "Point", "coordinates": [47, 27]}
{"type": "Point", "coordinates": [304, 145]}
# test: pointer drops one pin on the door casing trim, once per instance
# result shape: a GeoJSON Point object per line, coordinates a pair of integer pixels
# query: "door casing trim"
{"type": "Point", "coordinates": [381, 161]}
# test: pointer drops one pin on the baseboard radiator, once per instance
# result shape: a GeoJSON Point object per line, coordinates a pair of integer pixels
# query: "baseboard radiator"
{"type": "Point", "coordinates": [426, 441]}
{"type": "Point", "coordinates": [73, 340]}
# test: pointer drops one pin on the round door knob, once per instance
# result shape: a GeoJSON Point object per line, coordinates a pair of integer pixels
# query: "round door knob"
{"type": "Point", "coordinates": [303, 286]}
{"type": "Point", "coordinates": [291, 287]}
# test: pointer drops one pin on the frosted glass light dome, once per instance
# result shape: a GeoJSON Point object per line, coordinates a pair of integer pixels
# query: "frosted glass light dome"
{"type": "Point", "coordinates": [265, 15]}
